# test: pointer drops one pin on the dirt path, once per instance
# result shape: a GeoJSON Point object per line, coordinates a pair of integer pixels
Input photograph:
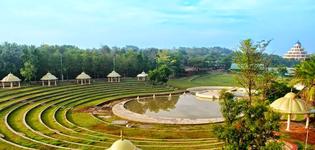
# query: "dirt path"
{"type": "Point", "coordinates": [298, 133]}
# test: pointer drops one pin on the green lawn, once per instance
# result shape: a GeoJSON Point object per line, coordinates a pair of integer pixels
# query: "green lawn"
{"type": "Point", "coordinates": [210, 79]}
{"type": "Point", "coordinates": [63, 117]}
{"type": "Point", "coordinates": [57, 118]}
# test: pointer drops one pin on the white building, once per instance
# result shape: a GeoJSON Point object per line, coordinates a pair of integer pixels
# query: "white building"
{"type": "Point", "coordinates": [142, 76]}
{"type": "Point", "coordinates": [296, 52]}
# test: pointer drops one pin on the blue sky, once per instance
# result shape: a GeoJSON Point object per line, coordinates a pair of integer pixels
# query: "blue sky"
{"type": "Point", "coordinates": [159, 23]}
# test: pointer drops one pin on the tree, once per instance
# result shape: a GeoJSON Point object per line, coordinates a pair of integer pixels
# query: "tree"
{"type": "Point", "coordinates": [10, 58]}
{"type": "Point", "coordinates": [160, 74]}
{"type": "Point", "coordinates": [28, 71]}
{"type": "Point", "coordinates": [246, 127]}
{"type": "Point", "coordinates": [249, 58]}
{"type": "Point", "coordinates": [305, 74]}
{"type": "Point", "coordinates": [30, 62]}
{"type": "Point", "coordinates": [249, 124]}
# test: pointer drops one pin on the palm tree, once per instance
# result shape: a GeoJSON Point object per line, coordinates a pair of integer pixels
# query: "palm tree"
{"type": "Point", "coordinates": [305, 74]}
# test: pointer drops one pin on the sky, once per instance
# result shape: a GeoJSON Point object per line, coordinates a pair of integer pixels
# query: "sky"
{"type": "Point", "coordinates": [159, 23]}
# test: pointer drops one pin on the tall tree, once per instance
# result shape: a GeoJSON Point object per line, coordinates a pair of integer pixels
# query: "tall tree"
{"type": "Point", "coordinates": [28, 71]}
{"type": "Point", "coordinates": [160, 75]}
{"type": "Point", "coordinates": [10, 58]}
{"type": "Point", "coordinates": [249, 58]}
{"type": "Point", "coordinates": [248, 124]}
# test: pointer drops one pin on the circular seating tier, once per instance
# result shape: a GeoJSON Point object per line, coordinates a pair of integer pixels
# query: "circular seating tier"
{"type": "Point", "coordinates": [54, 118]}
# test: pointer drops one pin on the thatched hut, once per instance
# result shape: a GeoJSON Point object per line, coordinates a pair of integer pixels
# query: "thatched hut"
{"type": "Point", "coordinates": [12, 80]}
{"type": "Point", "coordinates": [83, 78]}
{"type": "Point", "coordinates": [49, 78]}
{"type": "Point", "coordinates": [113, 77]}
{"type": "Point", "coordinates": [142, 76]}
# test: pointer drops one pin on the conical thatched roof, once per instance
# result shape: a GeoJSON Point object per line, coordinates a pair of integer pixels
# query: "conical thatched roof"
{"type": "Point", "coordinates": [123, 144]}
{"type": "Point", "coordinates": [49, 76]}
{"type": "Point", "coordinates": [11, 78]}
{"type": "Point", "coordinates": [142, 74]}
{"type": "Point", "coordinates": [83, 76]}
{"type": "Point", "coordinates": [113, 74]}
{"type": "Point", "coordinates": [289, 104]}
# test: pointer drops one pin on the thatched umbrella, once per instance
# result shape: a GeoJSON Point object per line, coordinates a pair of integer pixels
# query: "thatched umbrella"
{"type": "Point", "coordinates": [83, 78]}
{"type": "Point", "coordinates": [290, 105]}
{"type": "Point", "coordinates": [10, 78]}
{"type": "Point", "coordinates": [49, 77]}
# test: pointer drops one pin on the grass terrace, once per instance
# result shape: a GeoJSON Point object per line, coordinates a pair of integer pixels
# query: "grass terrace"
{"type": "Point", "coordinates": [210, 79]}
{"type": "Point", "coordinates": [62, 117]}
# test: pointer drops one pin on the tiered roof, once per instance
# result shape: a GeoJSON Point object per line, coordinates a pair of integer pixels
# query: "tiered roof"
{"type": "Point", "coordinates": [296, 52]}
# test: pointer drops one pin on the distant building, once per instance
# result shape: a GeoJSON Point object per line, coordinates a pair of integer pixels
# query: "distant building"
{"type": "Point", "coordinates": [234, 67]}
{"type": "Point", "coordinates": [296, 52]}
{"type": "Point", "coordinates": [290, 71]}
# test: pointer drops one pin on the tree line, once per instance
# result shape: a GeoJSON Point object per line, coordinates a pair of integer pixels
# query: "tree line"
{"type": "Point", "coordinates": [66, 61]}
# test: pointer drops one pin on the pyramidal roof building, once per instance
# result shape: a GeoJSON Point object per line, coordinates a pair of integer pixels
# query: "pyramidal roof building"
{"type": "Point", "coordinates": [296, 52]}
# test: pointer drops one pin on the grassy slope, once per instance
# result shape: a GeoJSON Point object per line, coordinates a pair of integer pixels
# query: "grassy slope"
{"type": "Point", "coordinates": [210, 79]}
{"type": "Point", "coordinates": [38, 103]}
